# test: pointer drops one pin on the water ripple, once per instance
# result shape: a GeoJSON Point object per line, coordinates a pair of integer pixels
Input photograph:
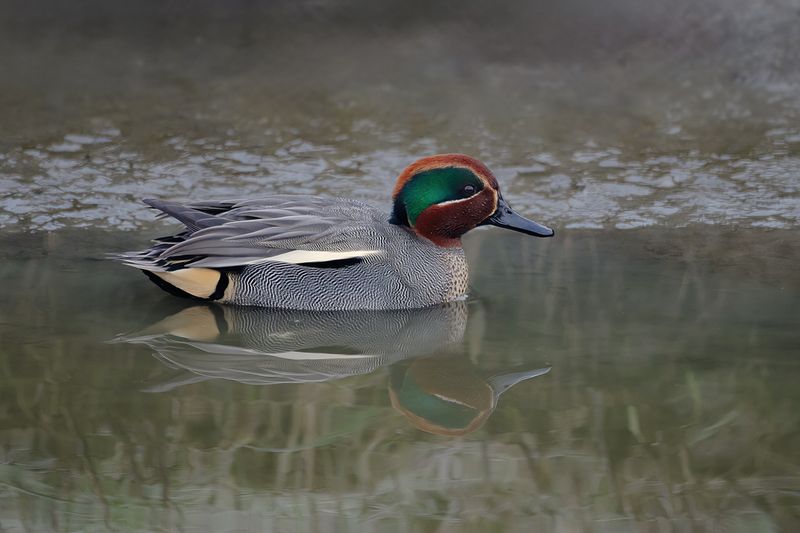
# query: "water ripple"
{"type": "Point", "coordinates": [97, 179]}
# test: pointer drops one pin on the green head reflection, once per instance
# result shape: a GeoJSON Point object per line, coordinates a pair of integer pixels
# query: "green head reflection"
{"type": "Point", "coordinates": [447, 395]}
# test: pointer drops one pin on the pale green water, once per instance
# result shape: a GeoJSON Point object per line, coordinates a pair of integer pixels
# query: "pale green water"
{"type": "Point", "coordinates": [671, 397]}
{"type": "Point", "coordinates": [659, 331]}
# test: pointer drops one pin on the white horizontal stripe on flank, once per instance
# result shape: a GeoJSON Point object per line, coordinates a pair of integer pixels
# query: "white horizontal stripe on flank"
{"type": "Point", "coordinates": [311, 256]}
{"type": "Point", "coordinates": [313, 356]}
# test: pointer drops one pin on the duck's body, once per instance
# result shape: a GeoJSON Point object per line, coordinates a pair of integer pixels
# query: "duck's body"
{"type": "Point", "coordinates": [315, 253]}
{"type": "Point", "coordinates": [300, 252]}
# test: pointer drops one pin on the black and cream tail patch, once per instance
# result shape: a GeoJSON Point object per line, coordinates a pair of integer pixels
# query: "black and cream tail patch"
{"type": "Point", "coordinates": [203, 283]}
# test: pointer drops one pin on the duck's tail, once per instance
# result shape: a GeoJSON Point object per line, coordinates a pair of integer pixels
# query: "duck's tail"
{"type": "Point", "coordinates": [193, 282]}
{"type": "Point", "coordinates": [172, 274]}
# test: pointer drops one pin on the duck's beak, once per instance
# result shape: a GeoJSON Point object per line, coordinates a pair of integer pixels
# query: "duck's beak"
{"type": "Point", "coordinates": [505, 217]}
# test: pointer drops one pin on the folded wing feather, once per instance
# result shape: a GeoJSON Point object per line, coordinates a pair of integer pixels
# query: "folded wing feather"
{"type": "Point", "coordinates": [283, 228]}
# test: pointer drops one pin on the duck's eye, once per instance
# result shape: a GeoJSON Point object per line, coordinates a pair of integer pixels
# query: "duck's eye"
{"type": "Point", "coordinates": [468, 190]}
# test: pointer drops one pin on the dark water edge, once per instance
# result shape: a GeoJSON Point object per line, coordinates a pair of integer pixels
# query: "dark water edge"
{"type": "Point", "coordinates": [671, 401]}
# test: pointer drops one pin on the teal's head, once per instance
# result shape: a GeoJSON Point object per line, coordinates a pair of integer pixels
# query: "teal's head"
{"type": "Point", "coordinates": [442, 197]}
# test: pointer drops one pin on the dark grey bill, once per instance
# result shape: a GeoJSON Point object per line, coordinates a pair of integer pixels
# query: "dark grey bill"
{"type": "Point", "coordinates": [505, 217]}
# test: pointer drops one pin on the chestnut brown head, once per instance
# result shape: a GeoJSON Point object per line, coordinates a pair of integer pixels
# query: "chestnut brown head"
{"type": "Point", "coordinates": [441, 197]}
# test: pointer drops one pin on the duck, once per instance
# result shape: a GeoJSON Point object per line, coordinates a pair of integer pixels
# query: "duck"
{"type": "Point", "coordinates": [333, 254]}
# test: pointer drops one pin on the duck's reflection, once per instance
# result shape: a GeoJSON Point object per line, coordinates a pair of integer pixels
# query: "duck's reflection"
{"type": "Point", "coordinates": [444, 395]}
{"type": "Point", "coordinates": [436, 389]}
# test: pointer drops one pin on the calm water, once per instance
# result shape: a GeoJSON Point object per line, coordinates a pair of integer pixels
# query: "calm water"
{"type": "Point", "coordinates": [670, 401]}
{"type": "Point", "coordinates": [636, 373]}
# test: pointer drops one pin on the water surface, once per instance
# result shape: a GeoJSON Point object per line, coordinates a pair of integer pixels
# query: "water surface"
{"type": "Point", "coordinates": [670, 397]}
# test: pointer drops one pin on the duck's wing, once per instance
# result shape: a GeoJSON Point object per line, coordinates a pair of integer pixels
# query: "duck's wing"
{"type": "Point", "coordinates": [283, 228]}
{"type": "Point", "coordinates": [240, 209]}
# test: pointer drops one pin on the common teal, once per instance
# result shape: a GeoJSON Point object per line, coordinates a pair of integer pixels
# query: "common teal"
{"type": "Point", "coordinates": [308, 252]}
